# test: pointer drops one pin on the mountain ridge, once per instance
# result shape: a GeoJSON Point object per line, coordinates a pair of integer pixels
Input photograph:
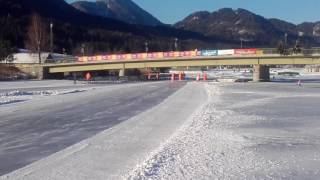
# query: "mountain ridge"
{"type": "Point", "coordinates": [124, 10]}
{"type": "Point", "coordinates": [243, 25]}
{"type": "Point", "coordinates": [73, 28]}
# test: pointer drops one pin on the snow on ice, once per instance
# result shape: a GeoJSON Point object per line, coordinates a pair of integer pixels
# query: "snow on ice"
{"type": "Point", "coordinates": [21, 96]}
{"type": "Point", "coordinates": [203, 131]}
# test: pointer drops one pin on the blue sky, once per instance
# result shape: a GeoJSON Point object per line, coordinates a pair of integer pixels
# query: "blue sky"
{"type": "Point", "coordinates": [295, 11]}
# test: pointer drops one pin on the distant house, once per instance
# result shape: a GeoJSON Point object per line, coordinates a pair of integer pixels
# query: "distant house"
{"type": "Point", "coordinates": [313, 68]}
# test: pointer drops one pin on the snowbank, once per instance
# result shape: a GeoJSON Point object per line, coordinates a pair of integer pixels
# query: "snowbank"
{"type": "Point", "coordinates": [22, 96]}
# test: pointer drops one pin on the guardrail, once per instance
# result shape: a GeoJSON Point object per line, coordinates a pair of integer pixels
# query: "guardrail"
{"type": "Point", "coordinates": [61, 60]}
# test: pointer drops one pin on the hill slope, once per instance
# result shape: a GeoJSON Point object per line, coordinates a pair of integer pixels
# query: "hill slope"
{"type": "Point", "coordinates": [72, 28]}
{"type": "Point", "coordinates": [124, 10]}
{"type": "Point", "coordinates": [244, 25]}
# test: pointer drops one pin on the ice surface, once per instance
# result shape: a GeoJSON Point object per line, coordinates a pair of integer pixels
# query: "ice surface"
{"type": "Point", "coordinates": [51, 120]}
{"type": "Point", "coordinates": [203, 131]}
{"type": "Point", "coordinates": [246, 131]}
{"type": "Point", "coordinates": [116, 152]}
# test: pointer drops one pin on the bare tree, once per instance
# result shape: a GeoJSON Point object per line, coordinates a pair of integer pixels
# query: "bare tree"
{"type": "Point", "coordinates": [37, 35]}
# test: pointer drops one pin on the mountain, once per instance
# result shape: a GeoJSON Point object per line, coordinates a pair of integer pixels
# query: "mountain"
{"type": "Point", "coordinates": [243, 25]}
{"type": "Point", "coordinates": [72, 29]}
{"type": "Point", "coordinates": [57, 10]}
{"type": "Point", "coordinates": [284, 26]}
{"type": "Point", "coordinates": [310, 29]}
{"type": "Point", "coordinates": [124, 10]}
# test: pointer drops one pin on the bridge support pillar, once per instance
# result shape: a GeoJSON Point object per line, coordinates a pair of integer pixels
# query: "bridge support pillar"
{"type": "Point", "coordinates": [122, 72]}
{"type": "Point", "coordinates": [261, 73]}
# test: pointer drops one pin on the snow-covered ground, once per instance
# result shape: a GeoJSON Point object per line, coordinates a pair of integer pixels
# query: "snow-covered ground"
{"type": "Point", "coordinates": [16, 96]}
{"type": "Point", "coordinates": [116, 152]}
{"type": "Point", "coordinates": [203, 131]}
{"type": "Point", "coordinates": [4, 85]}
{"type": "Point", "coordinates": [246, 131]}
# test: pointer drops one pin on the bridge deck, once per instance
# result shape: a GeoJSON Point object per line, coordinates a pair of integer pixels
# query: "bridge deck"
{"type": "Point", "coordinates": [184, 62]}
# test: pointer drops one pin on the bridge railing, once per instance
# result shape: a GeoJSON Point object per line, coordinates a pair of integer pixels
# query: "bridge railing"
{"type": "Point", "coordinates": [263, 51]}
{"type": "Point", "coordinates": [62, 60]}
{"type": "Point", "coordinates": [269, 51]}
{"type": "Point", "coordinates": [290, 51]}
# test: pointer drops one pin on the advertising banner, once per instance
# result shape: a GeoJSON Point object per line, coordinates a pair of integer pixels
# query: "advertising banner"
{"type": "Point", "coordinates": [92, 58]}
{"type": "Point", "coordinates": [134, 56]}
{"type": "Point", "coordinates": [226, 52]}
{"type": "Point", "coordinates": [109, 57]}
{"type": "Point", "coordinates": [176, 54]}
{"type": "Point", "coordinates": [144, 55]}
{"type": "Point", "coordinates": [123, 56]}
{"type": "Point", "coordinates": [80, 59]}
{"type": "Point", "coordinates": [114, 57]}
{"type": "Point", "coordinates": [245, 51]}
{"type": "Point", "coordinates": [152, 55]}
{"type": "Point", "coordinates": [181, 53]}
{"type": "Point", "coordinates": [98, 58]}
{"type": "Point", "coordinates": [209, 53]}
{"type": "Point", "coordinates": [160, 55]}
{"type": "Point", "coordinates": [184, 53]}
{"type": "Point", "coordinates": [166, 54]}
{"type": "Point", "coordinates": [259, 52]}
{"type": "Point", "coordinates": [127, 56]}
{"type": "Point", "coordinates": [193, 53]}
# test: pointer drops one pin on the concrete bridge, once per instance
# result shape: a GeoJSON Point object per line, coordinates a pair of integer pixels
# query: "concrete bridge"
{"type": "Point", "coordinates": [260, 64]}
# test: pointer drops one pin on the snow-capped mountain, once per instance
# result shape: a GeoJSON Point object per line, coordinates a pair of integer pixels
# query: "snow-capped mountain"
{"type": "Point", "coordinates": [124, 10]}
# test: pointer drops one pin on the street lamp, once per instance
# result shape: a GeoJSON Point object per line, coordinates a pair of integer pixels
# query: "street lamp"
{"type": "Point", "coordinates": [300, 35]}
{"type": "Point", "coordinates": [285, 41]}
{"type": "Point", "coordinates": [146, 44]}
{"type": "Point", "coordinates": [51, 38]}
{"type": "Point", "coordinates": [241, 43]}
{"type": "Point", "coordinates": [83, 46]}
{"type": "Point", "coordinates": [176, 44]}
{"type": "Point", "coordinates": [297, 46]}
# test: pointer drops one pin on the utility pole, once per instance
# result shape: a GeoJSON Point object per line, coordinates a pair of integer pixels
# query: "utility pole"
{"type": "Point", "coordinates": [83, 46]}
{"type": "Point", "coordinates": [146, 44]}
{"type": "Point", "coordinates": [51, 38]}
{"type": "Point", "coordinates": [176, 44]}
{"type": "Point", "coordinates": [300, 36]}
{"type": "Point", "coordinates": [285, 42]}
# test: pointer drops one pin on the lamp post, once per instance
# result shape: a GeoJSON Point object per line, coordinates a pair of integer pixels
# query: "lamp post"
{"type": "Point", "coordinates": [176, 44]}
{"type": "Point", "coordinates": [297, 46]}
{"type": "Point", "coordinates": [51, 38]}
{"type": "Point", "coordinates": [241, 43]}
{"type": "Point", "coordinates": [146, 44]}
{"type": "Point", "coordinates": [285, 42]}
{"type": "Point", "coordinates": [300, 36]}
{"type": "Point", "coordinates": [83, 46]}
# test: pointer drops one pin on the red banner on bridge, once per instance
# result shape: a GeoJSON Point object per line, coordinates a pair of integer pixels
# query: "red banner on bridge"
{"type": "Point", "coordinates": [245, 51]}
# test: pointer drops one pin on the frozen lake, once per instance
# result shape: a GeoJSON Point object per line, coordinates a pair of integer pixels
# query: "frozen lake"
{"type": "Point", "coordinates": [40, 118]}
{"type": "Point", "coordinates": [246, 131]}
{"type": "Point", "coordinates": [202, 131]}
